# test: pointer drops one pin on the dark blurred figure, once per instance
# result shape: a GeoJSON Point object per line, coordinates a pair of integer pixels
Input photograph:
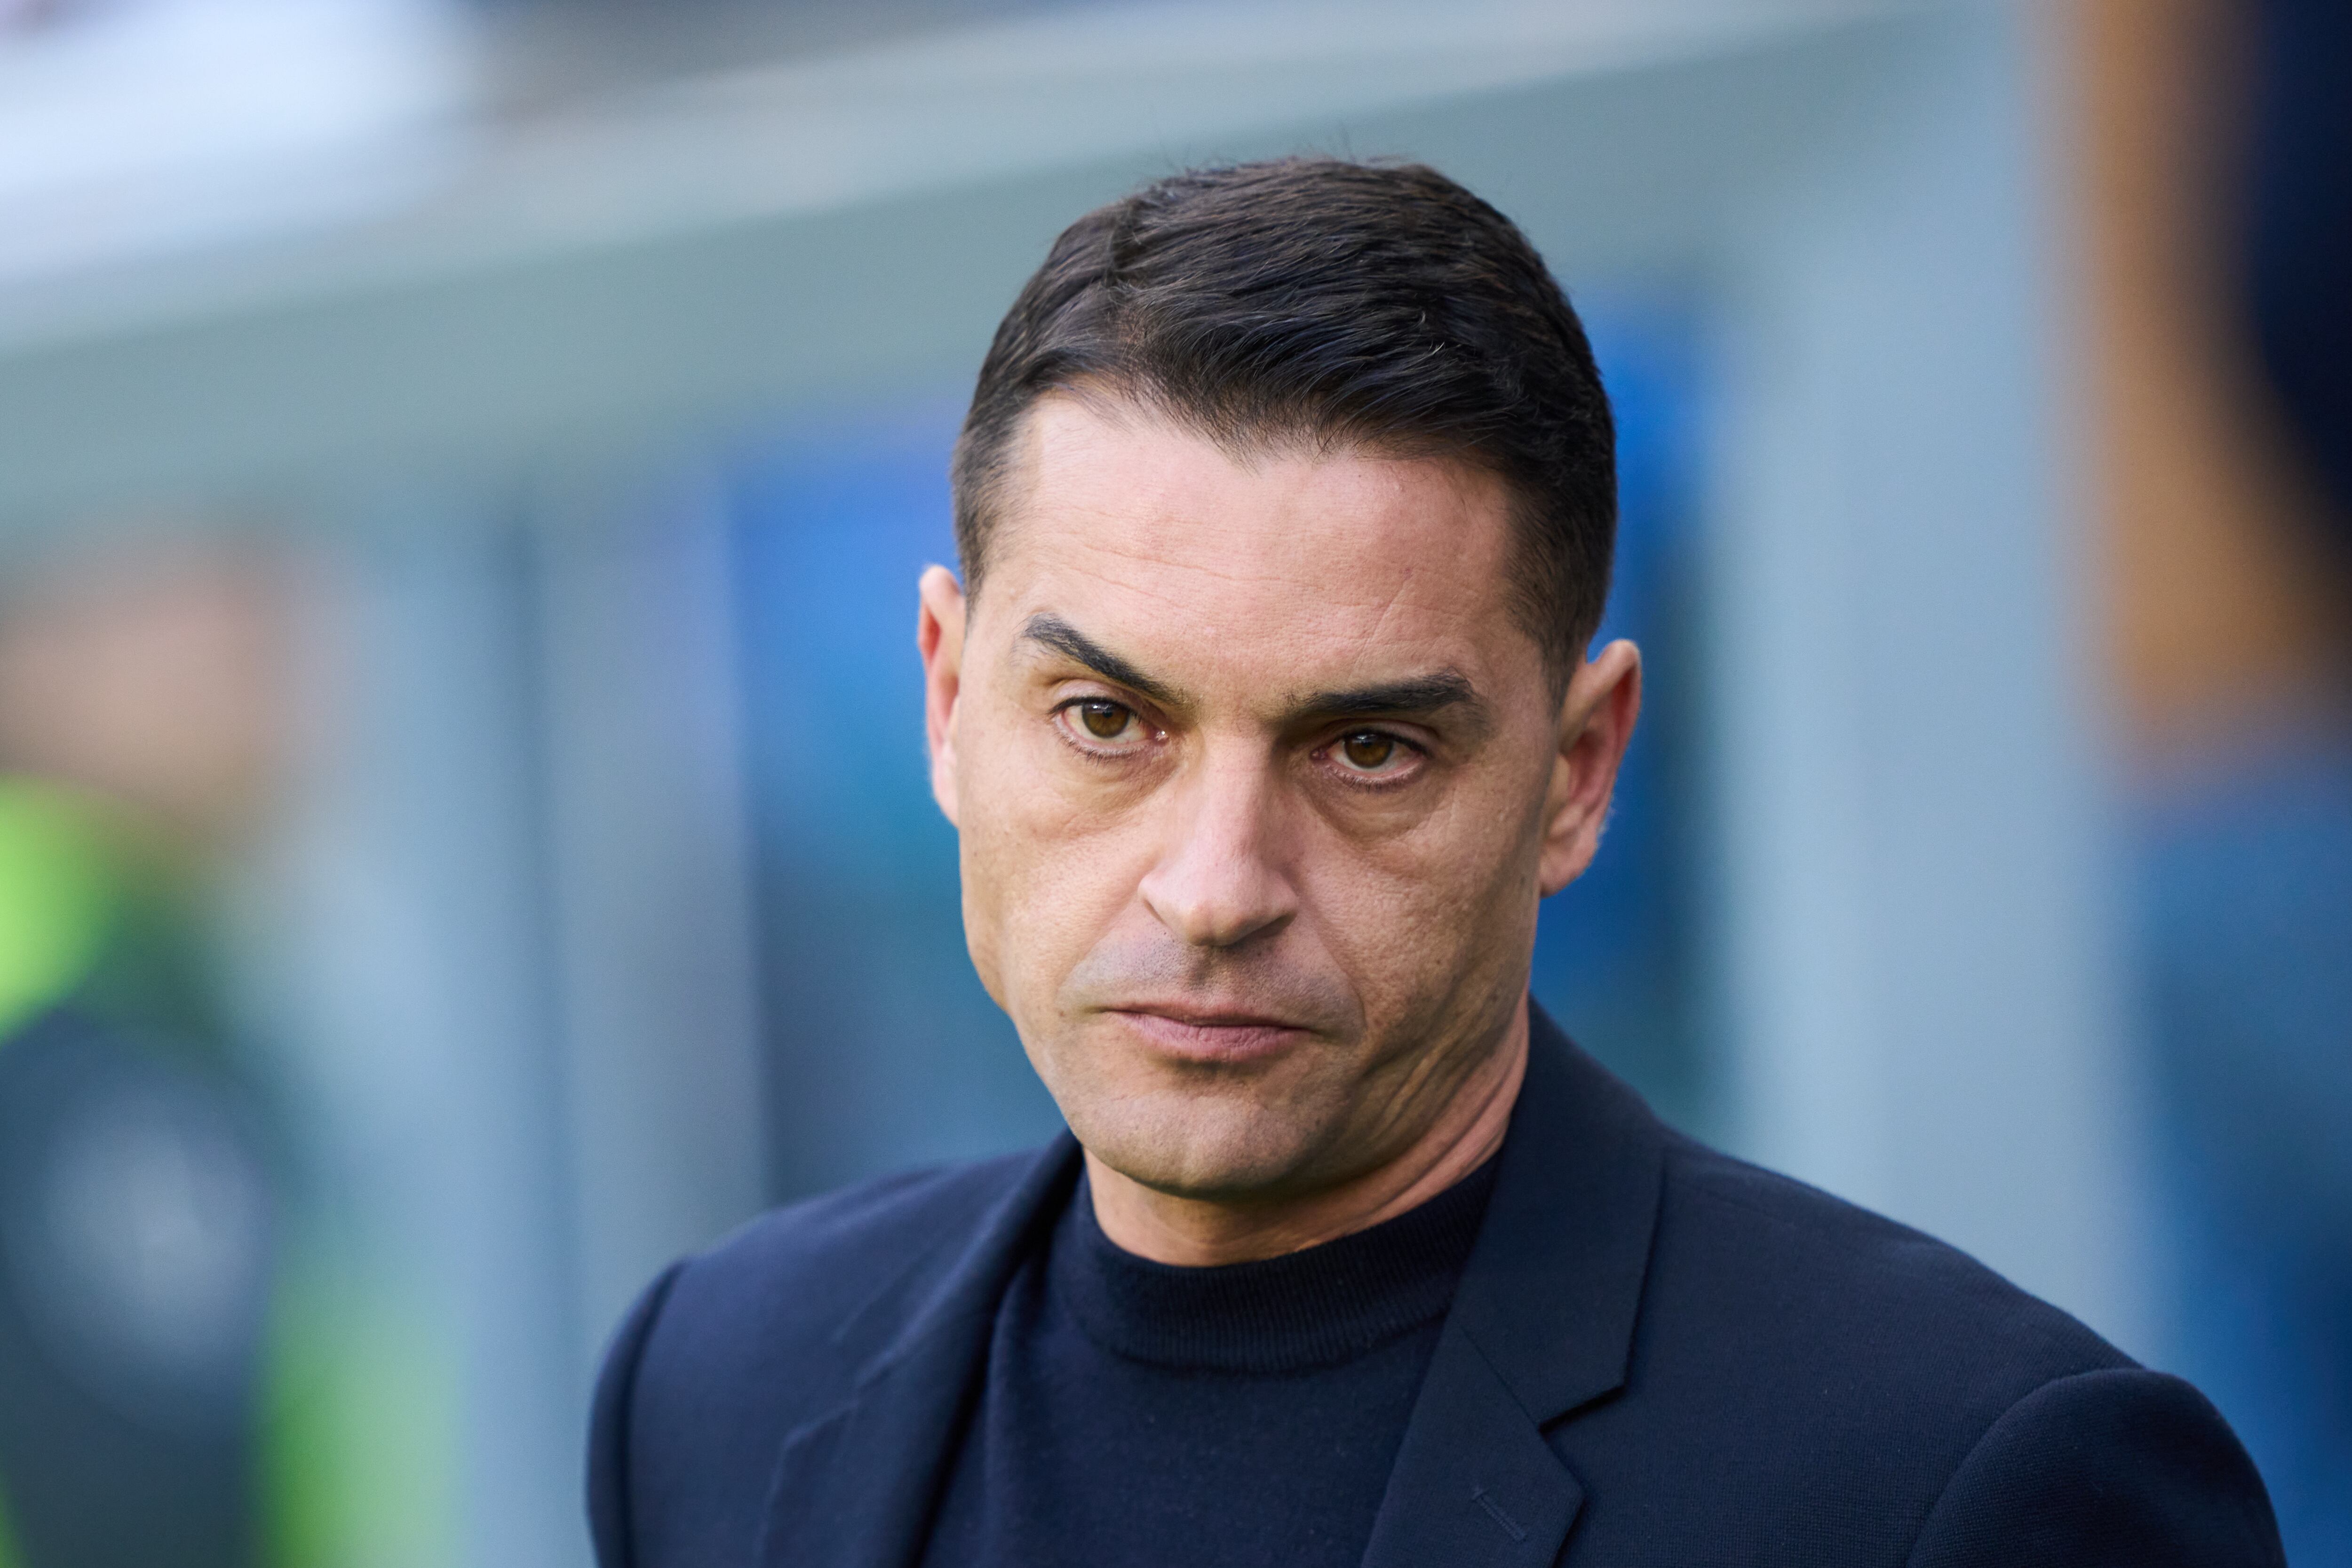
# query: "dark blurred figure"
{"type": "Point", "coordinates": [137, 1205]}
{"type": "Point", "coordinates": [2299, 231]}
{"type": "Point", "coordinates": [2218, 205]}
{"type": "Point", "coordinates": [2250, 884]}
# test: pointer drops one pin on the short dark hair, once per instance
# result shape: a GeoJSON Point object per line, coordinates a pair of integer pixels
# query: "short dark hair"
{"type": "Point", "coordinates": [1378, 305]}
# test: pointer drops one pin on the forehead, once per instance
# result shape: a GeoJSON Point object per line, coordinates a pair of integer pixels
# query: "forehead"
{"type": "Point", "coordinates": [1333, 563]}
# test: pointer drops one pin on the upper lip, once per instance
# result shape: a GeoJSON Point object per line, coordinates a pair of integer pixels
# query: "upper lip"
{"type": "Point", "coordinates": [1207, 1017]}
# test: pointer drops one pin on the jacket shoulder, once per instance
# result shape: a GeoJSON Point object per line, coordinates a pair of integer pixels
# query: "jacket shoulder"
{"type": "Point", "coordinates": [731, 1349]}
{"type": "Point", "coordinates": [2113, 1467]}
{"type": "Point", "coordinates": [1805, 1377]}
{"type": "Point", "coordinates": [1858, 1272]}
{"type": "Point", "coordinates": [802, 1292]}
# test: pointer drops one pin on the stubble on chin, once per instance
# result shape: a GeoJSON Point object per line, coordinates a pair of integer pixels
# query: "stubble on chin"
{"type": "Point", "coordinates": [1322, 1116]}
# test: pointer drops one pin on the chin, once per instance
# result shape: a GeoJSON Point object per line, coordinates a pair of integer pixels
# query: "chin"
{"type": "Point", "coordinates": [1196, 1143]}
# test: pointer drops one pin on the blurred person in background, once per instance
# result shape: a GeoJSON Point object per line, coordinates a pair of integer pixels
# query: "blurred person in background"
{"type": "Point", "coordinates": [1266, 714]}
{"type": "Point", "coordinates": [2220, 222]}
{"type": "Point", "coordinates": [142, 1242]}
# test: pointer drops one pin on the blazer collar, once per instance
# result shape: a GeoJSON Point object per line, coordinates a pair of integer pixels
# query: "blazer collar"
{"type": "Point", "coordinates": [1552, 1288]}
{"type": "Point", "coordinates": [855, 1487]}
{"type": "Point", "coordinates": [1541, 1326]}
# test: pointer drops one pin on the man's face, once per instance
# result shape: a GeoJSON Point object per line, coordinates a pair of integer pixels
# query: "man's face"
{"type": "Point", "coordinates": [1259, 783]}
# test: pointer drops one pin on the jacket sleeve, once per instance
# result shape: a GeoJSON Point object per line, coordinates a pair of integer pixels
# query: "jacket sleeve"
{"type": "Point", "coordinates": [608, 1428]}
{"type": "Point", "coordinates": [2124, 1467]}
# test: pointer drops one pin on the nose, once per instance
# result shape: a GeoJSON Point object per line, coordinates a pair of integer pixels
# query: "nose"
{"type": "Point", "coordinates": [1218, 883]}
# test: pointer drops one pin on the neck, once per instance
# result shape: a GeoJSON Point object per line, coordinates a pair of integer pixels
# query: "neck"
{"type": "Point", "coordinates": [1203, 1233]}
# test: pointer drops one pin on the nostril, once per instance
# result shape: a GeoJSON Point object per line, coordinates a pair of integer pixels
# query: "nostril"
{"type": "Point", "coordinates": [1223, 912]}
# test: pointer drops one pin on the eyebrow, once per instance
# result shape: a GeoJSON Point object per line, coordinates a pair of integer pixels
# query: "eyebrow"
{"type": "Point", "coordinates": [1416, 694]}
{"type": "Point", "coordinates": [1051, 631]}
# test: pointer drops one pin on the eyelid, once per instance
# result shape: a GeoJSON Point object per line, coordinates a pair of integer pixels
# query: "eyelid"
{"type": "Point", "coordinates": [1383, 728]}
{"type": "Point", "coordinates": [1096, 689]}
{"type": "Point", "coordinates": [1081, 687]}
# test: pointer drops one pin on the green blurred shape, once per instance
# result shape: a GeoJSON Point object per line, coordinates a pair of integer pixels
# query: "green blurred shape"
{"type": "Point", "coordinates": [57, 897]}
{"type": "Point", "coordinates": [358, 1408]}
{"type": "Point", "coordinates": [8, 1558]}
{"type": "Point", "coordinates": [359, 1433]}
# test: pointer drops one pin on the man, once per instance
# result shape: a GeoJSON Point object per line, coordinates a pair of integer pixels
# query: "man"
{"type": "Point", "coordinates": [1266, 716]}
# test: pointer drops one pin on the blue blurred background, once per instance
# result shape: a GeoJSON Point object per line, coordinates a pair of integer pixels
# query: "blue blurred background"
{"type": "Point", "coordinates": [464, 832]}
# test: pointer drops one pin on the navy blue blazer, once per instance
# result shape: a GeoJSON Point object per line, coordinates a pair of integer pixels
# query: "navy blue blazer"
{"type": "Point", "coordinates": [1657, 1355]}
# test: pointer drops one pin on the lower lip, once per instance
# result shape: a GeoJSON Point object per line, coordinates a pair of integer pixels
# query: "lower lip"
{"type": "Point", "coordinates": [1212, 1042]}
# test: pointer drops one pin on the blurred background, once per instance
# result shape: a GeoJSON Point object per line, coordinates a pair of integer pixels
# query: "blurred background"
{"type": "Point", "coordinates": [464, 466]}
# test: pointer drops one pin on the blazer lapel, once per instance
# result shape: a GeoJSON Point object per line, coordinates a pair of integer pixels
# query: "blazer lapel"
{"type": "Point", "coordinates": [1474, 1484]}
{"type": "Point", "coordinates": [855, 1487]}
{"type": "Point", "coordinates": [1541, 1326]}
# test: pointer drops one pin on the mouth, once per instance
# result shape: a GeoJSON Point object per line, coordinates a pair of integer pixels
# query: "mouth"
{"type": "Point", "coordinates": [1208, 1034]}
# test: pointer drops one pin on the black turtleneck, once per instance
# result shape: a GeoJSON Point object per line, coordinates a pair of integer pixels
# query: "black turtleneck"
{"type": "Point", "coordinates": [1152, 1417]}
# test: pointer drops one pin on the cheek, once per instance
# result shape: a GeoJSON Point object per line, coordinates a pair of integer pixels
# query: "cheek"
{"type": "Point", "coordinates": [1047, 869]}
{"type": "Point", "coordinates": [1416, 917]}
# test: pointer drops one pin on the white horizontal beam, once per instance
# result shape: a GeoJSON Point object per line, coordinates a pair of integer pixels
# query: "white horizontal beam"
{"type": "Point", "coordinates": [838, 225]}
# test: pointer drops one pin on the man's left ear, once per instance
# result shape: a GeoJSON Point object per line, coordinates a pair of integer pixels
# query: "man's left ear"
{"type": "Point", "coordinates": [1596, 722]}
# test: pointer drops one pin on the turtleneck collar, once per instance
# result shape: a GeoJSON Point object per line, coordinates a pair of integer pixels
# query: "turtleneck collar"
{"type": "Point", "coordinates": [1315, 1307]}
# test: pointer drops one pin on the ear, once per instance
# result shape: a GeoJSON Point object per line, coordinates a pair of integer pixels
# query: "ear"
{"type": "Point", "coordinates": [1596, 722]}
{"type": "Point", "coordinates": [938, 638]}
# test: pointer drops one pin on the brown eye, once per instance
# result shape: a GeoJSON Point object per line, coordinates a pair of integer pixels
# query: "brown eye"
{"type": "Point", "coordinates": [1368, 749]}
{"type": "Point", "coordinates": [1105, 720]}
